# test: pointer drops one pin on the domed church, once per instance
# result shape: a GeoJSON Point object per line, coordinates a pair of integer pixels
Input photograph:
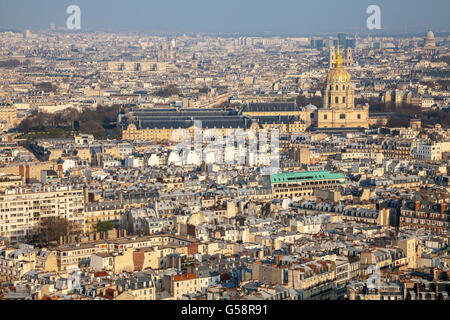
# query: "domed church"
{"type": "Point", "coordinates": [430, 43]}
{"type": "Point", "coordinates": [339, 110]}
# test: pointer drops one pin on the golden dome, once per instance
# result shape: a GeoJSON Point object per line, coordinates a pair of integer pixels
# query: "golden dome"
{"type": "Point", "coordinates": [338, 73]}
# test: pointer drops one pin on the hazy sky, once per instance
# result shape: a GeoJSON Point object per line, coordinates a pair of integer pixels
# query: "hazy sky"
{"type": "Point", "coordinates": [245, 16]}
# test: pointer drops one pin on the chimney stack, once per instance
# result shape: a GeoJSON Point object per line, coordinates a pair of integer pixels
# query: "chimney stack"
{"type": "Point", "coordinates": [417, 206]}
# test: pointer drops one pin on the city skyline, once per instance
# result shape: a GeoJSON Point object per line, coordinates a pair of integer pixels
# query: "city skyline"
{"type": "Point", "coordinates": [285, 17]}
{"type": "Point", "coordinates": [228, 156]}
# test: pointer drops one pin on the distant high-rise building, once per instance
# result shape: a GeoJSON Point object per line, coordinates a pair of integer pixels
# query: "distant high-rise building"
{"type": "Point", "coordinates": [52, 26]}
{"type": "Point", "coordinates": [351, 43]}
{"type": "Point", "coordinates": [342, 38]}
{"type": "Point", "coordinates": [317, 43]}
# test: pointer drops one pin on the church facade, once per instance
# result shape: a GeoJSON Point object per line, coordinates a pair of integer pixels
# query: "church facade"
{"type": "Point", "coordinates": [339, 110]}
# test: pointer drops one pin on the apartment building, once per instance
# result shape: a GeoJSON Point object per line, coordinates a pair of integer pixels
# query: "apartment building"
{"type": "Point", "coordinates": [79, 254]}
{"type": "Point", "coordinates": [101, 211]}
{"type": "Point", "coordinates": [14, 263]}
{"type": "Point", "coordinates": [179, 285]}
{"type": "Point", "coordinates": [8, 116]}
{"type": "Point", "coordinates": [298, 184]}
{"type": "Point", "coordinates": [315, 279]}
{"type": "Point", "coordinates": [21, 210]}
{"type": "Point", "coordinates": [140, 287]}
{"type": "Point", "coordinates": [431, 151]}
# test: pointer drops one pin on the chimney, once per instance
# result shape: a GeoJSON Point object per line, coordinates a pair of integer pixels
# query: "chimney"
{"type": "Point", "coordinates": [60, 170]}
{"type": "Point", "coordinates": [279, 259]}
{"type": "Point", "coordinates": [86, 194]}
{"type": "Point", "coordinates": [417, 206]}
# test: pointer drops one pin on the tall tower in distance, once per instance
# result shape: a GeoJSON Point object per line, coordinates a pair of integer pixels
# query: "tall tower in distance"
{"type": "Point", "coordinates": [342, 39]}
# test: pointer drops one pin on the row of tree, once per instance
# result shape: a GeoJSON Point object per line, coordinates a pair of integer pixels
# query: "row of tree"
{"type": "Point", "coordinates": [96, 121]}
{"type": "Point", "coordinates": [51, 229]}
{"type": "Point", "coordinates": [167, 91]}
{"type": "Point", "coordinates": [12, 63]}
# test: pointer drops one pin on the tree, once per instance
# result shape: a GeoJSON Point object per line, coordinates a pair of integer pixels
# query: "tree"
{"type": "Point", "coordinates": [11, 63]}
{"type": "Point", "coordinates": [167, 91]}
{"type": "Point", "coordinates": [104, 226]}
{"type": "Point", "coordinates": [52, 228]}
{"type": "Point", "coordinates": [396, 121]}
{"type": "Point", "coordinates": [95, 121]}
{"type": "Point", "coordinates": [203, 90]}
{"type": "Point", "coordinates": [304, 101]}
{"type": "Point", "coordinates": [93, 127]}
{"type": "Point", "coordinates": [46, 87]}
{"type": "Point", "coordinates": [25, 125]}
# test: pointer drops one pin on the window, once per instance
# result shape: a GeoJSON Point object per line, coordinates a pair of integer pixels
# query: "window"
{"type": "Point", "coordinates": [343, 99]}
{"type": "Point", "coordinates": [337, 87]}
{"type": "Point", "coordinates": [329, 100]}
{"type": "Point", "coordinates": [336, 99]}
{"type": "Point", "coordinates": [359, 116]}
{"type": "Point", "coordinates": [312, 115]}
{"type": "Point", "coordinates": [342, 116]}
{"type": "Point", "coordinates": [325, 116]}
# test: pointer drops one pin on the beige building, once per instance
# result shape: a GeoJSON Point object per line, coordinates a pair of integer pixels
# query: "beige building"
{"type": "Point", "coordinates": [21, 211]}
{"type": "Point", "coordinates": [173, 134]}
{"type": "Point", "coordinates": [46, 260]}
{"type": "Point", "coordinates": [31, 170]}
{"type": "Point", "coordinates": [179, 285]}
{"type": "Point", "coordinates": [140, 288]}
{"type": "Point", "coordinates": [99, 212]}
{"type": "Point", "coordinates": [113, 261]}
{"type": "Point", "coordinates": [8, 117]}
{"type": "Point", "coordinates": [10, 180]}
{"type": "Point", "coordinates": [316, 279]}
{"type": "Point", "coordinates": [412, 249]}
{"type": "Point", "coordinates": [14, 263]}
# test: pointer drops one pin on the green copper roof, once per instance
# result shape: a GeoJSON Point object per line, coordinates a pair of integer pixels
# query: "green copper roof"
{"type": "Point", "coordinates": [307, 175]}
